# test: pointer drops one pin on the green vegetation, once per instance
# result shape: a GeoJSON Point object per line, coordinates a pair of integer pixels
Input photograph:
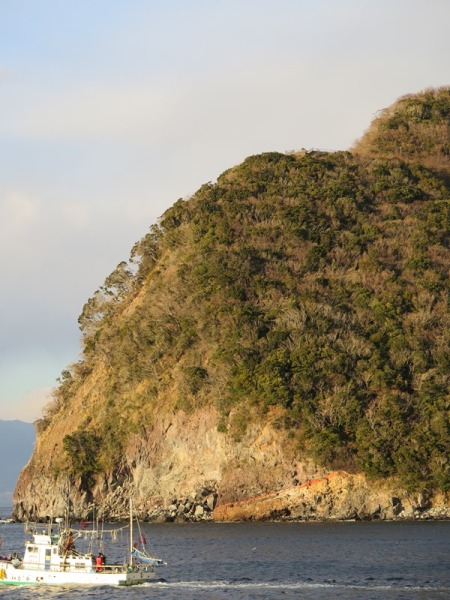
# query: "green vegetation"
{"type": "Point", "coordinates": [82, 449]}
{"type": "Point", "coordinates": [415, 126]}
{"type": "Point", "coordinates": [315, 283]}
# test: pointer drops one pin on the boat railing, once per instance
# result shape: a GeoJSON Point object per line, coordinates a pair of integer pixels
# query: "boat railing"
{"type": "Point", "coordinates": [73, 568]}
{"type": "Point", "coordinates": [110, 568]}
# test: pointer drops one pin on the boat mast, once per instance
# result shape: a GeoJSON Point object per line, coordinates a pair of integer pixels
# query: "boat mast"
{"type": "Point", "coordinates": [131, 531]}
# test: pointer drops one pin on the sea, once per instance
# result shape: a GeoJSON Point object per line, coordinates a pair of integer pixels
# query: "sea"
{"type": "Point", "coordinates": [255, 561]}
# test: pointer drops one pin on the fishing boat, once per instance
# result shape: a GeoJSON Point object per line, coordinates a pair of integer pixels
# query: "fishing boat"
{"type": "Point", "coordinates": [51, 558]}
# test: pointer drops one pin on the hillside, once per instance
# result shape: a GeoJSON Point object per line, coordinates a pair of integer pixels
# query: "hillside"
{"type": "Point", "coordinates": [288, 320]}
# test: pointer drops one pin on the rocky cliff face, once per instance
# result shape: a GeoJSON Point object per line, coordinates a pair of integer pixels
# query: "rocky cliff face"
{"type": "Point", "coordinates": [181, 470]}
{"type": "Point", "coordinates": [185, 470]}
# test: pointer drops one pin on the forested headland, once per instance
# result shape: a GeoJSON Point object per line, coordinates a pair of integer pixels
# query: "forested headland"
{"type": "Point", "coordinates": [309, 288]}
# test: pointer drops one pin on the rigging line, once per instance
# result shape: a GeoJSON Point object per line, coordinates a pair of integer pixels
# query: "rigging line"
{"type": "Point", "coordinates": [143, 540]}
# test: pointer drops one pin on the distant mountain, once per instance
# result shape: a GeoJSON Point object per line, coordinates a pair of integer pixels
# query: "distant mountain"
{"type": "Point", "coordinates": [16, 444]}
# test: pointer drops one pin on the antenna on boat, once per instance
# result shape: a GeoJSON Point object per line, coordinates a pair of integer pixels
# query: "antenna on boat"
{"type": "Point", "coordinates": [67, 507]}
{"type": "Point", "coordinates": [131, 530]}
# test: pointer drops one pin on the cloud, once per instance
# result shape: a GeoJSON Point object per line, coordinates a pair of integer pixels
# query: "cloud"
{"type": "Point", "coordinates": [242, 104]}
{"type": "Point", "coordinates": [17, 210]}
{"type": "Point", "coordinates": [33, 233]}
{"type": "Point", "coordinates": [77, 214]}
{"type": "Point", "coordinates": [259, 98]}
{"type": "Point", "coordinates": [89, 112]}
{"type": "Point", "coordinates": [29, 407]}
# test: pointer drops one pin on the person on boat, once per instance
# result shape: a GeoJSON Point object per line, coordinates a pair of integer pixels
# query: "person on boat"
{"type": "Point", "coordinates": [100, 561]}
{"type": "Point", "coordinates": [70, 546]}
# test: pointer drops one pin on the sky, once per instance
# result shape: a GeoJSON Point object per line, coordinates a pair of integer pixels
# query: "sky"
{"type": "Point", "coordinates": [111, 111]}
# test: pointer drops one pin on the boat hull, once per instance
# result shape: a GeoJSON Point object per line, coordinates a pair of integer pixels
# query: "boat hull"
{"type": "Point", "coordinates": [14, 576]}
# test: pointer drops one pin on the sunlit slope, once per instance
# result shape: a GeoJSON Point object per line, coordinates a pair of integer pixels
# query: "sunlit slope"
{"type": "Point", "coordinates": [307, 290]}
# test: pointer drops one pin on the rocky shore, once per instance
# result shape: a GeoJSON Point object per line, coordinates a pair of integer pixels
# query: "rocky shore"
{"type": "Point", "coordinates": [186, 471]}
{"type": "Point", "coordinates": [338, 496]}
{"type": "Point", "coordinates": [199, 506]}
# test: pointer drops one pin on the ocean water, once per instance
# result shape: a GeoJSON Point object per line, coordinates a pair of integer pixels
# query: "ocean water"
{"type": "Point", "coordinates": [255, 561]}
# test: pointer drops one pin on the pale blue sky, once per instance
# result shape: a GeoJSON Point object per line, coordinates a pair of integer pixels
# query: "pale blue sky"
{"type": "Point", "coordinates": [111, 110]}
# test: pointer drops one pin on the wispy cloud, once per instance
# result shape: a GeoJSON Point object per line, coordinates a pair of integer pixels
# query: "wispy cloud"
{"type": "Point", "coordinates": [261, 106]}
{"type": "Point", "coordinates": [29, 407]}
{"type": "Point", "coordinates": [18, 213]}
{"type": "Point", "coordinates": [90, 111]}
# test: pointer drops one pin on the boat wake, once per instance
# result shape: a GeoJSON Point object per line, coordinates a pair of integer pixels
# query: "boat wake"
{"type": "Point", "coordinates": [248, 584]}
{"type": "Point", "coordinates": [241, 589]}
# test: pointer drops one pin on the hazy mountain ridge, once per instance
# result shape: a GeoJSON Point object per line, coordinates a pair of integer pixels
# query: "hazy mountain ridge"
{"type": "Point", "coordinates": [16, 443]}
{"type": "Point", "coordinates": [301, 299]}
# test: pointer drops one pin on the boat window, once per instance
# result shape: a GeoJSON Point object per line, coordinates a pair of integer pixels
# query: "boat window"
{"type": "Point", "coordinates": [32, 548]}
{"type": "Point", "coordinates": [55, 550]}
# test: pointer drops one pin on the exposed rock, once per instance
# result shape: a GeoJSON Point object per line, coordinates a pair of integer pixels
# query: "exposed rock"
{"type": "Point", "coordinates": [187, 464]}
{"type": "Point", "coordinates": [337, 496]}
{"type": "Point", "coordinates": [397, 506]}
{"type": "Point", "coordinates": [234, 481]}
{"type": "Point", "coordinates": [211, 501]}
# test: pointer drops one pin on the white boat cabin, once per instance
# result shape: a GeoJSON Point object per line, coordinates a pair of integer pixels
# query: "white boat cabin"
{"type": "Point", "coordinates": [45, 553]}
